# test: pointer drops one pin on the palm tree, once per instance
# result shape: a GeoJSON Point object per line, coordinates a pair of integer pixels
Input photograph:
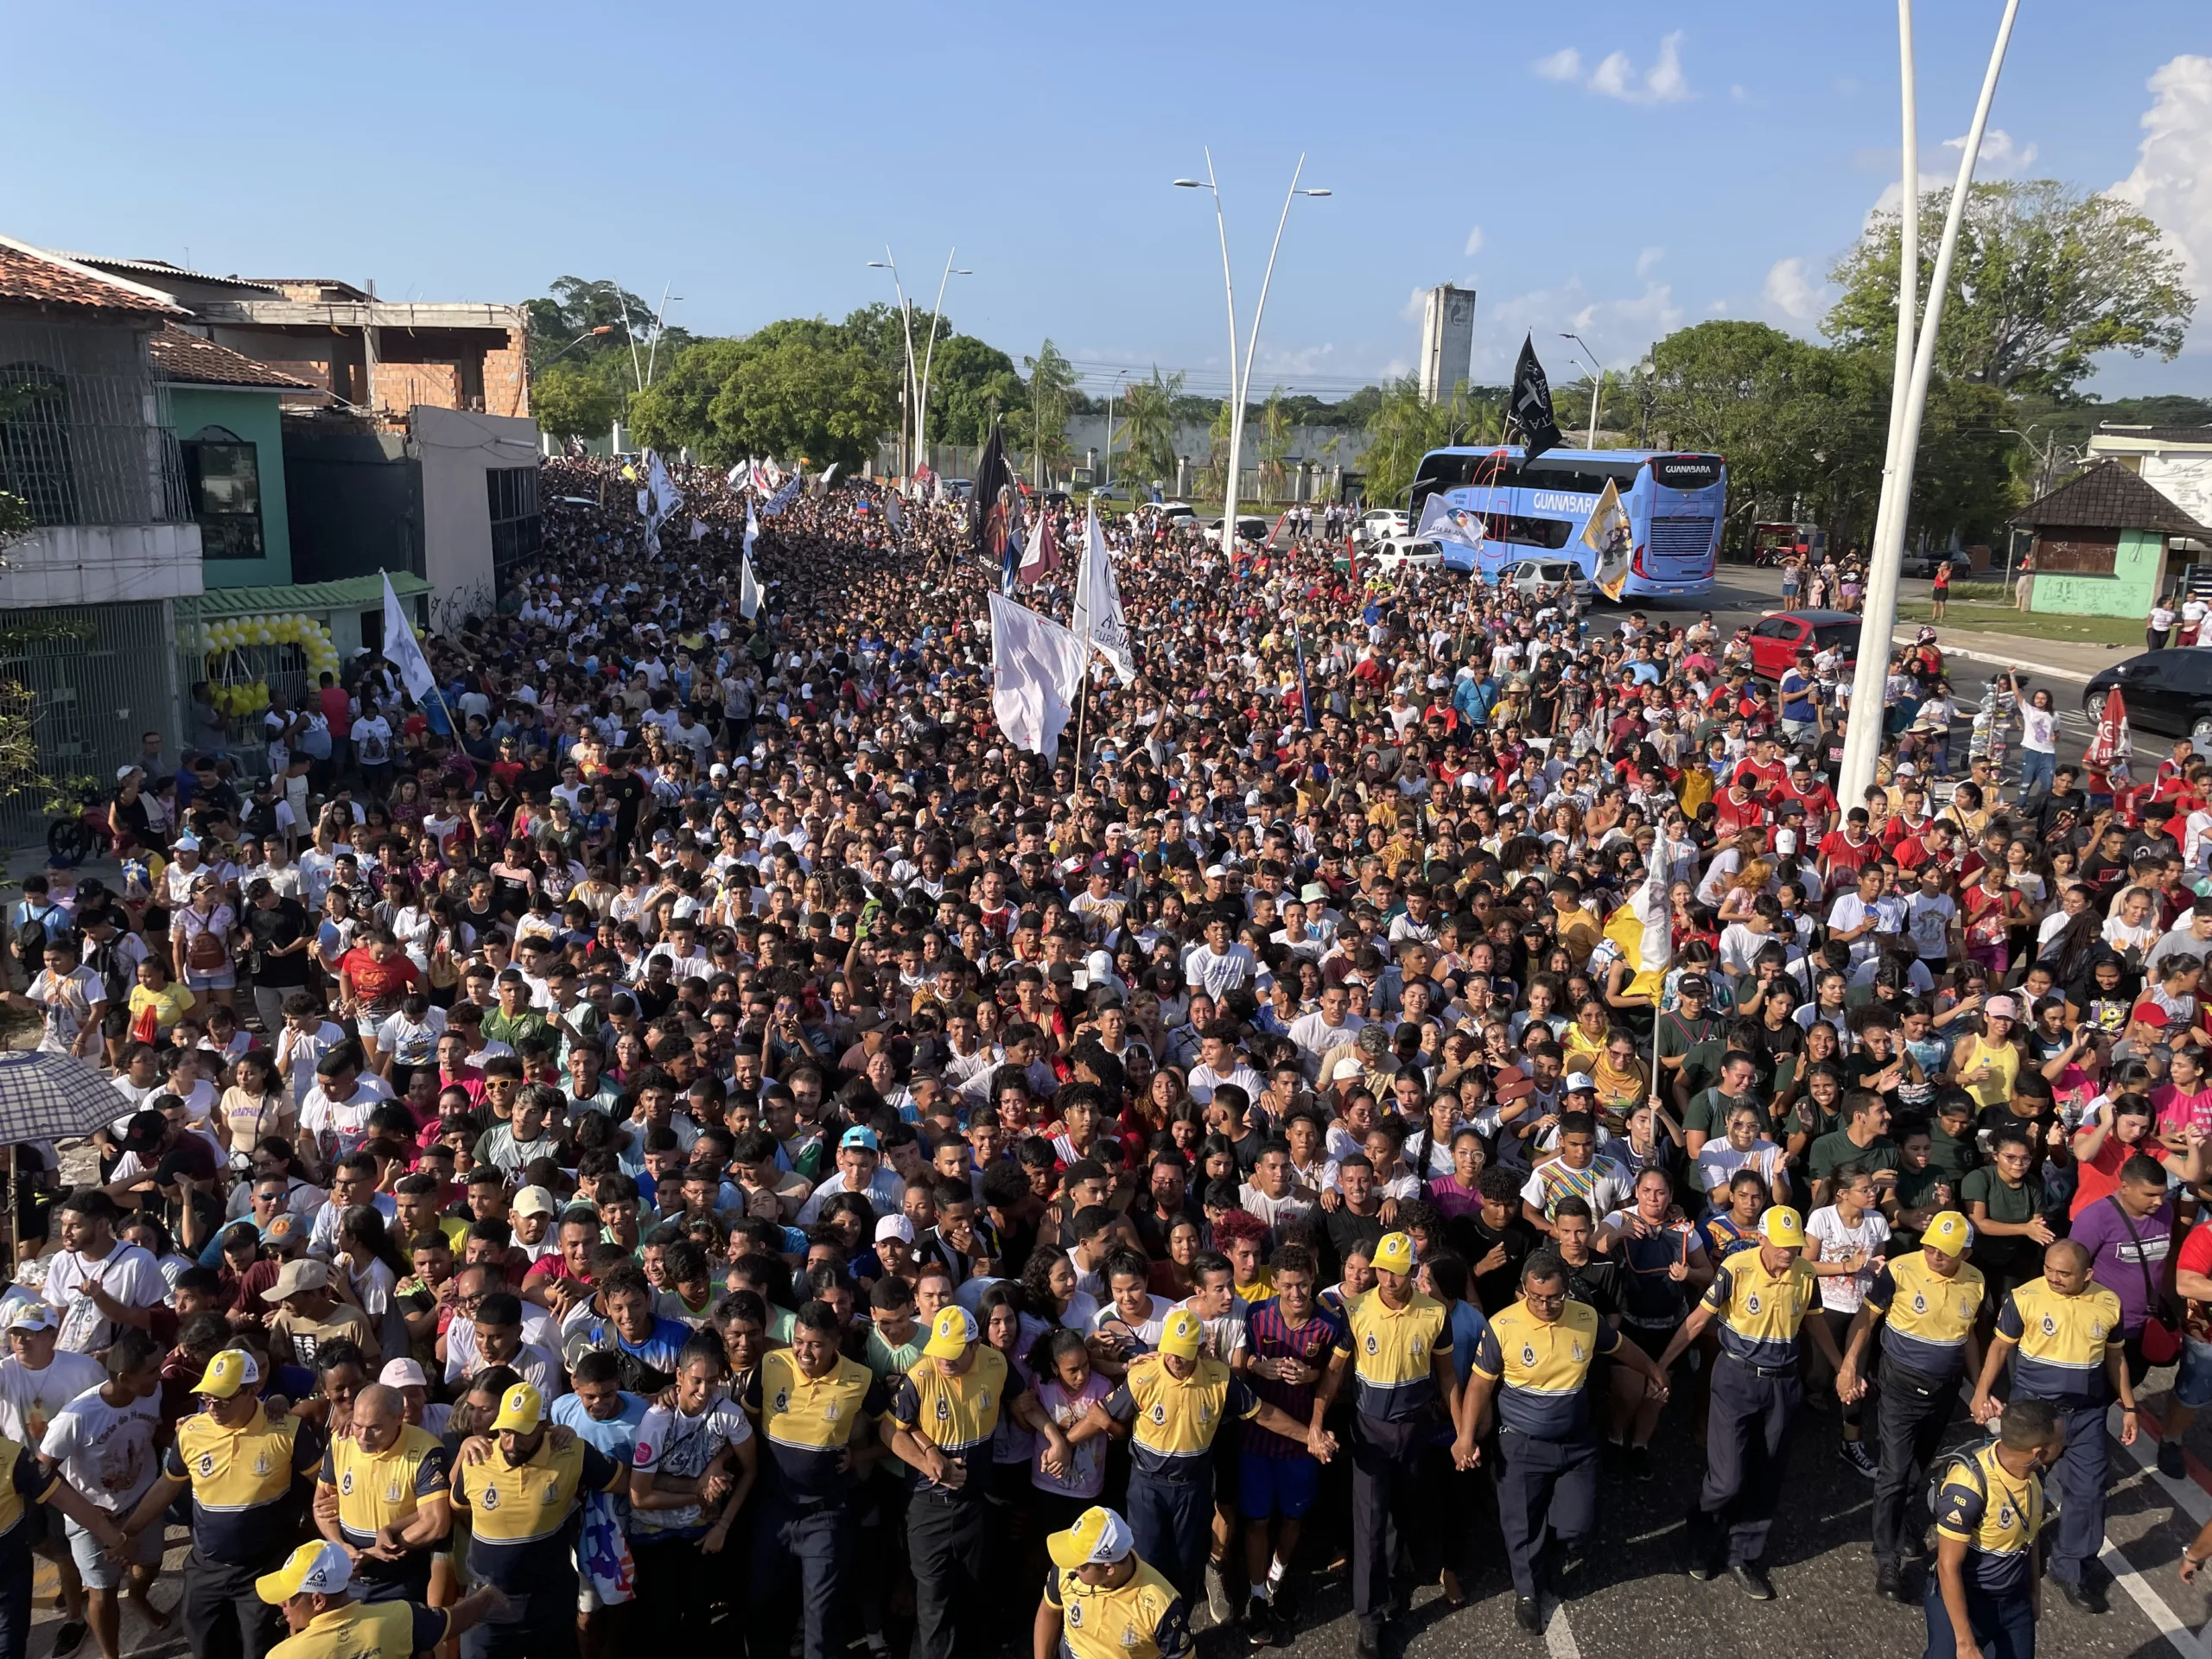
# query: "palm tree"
{"type": "Point", "coordinates": [1274, 445]}
{"type": "Point", "coordinates": [1148, 430]}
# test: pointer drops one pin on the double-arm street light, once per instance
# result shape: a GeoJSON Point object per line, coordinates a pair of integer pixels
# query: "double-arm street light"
{"type": "Point", "coordinates": [1240, 381]}
{"type": "Point", "coordinates": [1597, 386]}
{"type": "Point", "coordinates": [918, 380]}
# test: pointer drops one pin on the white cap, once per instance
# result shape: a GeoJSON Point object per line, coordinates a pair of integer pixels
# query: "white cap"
{"type": "Point", "coordinates": [895, 1226]}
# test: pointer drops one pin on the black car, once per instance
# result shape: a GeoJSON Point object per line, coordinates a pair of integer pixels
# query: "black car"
{"type": "Point", "coordinates": [2165, 691]}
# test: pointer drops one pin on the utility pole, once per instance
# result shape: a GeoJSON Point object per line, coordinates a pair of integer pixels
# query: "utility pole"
{"type": "Point", "coordinates": [1863, 737]}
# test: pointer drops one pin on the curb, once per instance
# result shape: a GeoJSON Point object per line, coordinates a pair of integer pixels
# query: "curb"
{"type": "Point", "coordinates": [1902, 636]}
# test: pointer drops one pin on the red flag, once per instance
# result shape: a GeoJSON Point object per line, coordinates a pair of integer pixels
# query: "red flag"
{"type": "Point", "coordinates": [2106, 759]}
{"type": "Point", "coordinates": [1267, 545]}
{"type": "Point", "coordinates": [1042, 557]}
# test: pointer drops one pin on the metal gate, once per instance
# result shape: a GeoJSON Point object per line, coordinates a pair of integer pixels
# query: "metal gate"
{"type": "Point", "coordinates": [99, 677]}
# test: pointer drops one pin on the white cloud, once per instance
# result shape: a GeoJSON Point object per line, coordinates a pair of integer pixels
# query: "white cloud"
{"type": "Point", "coordinates": [2172, 179]}
{"type": "Point", "coordinates": [1741, 93]}
{"type": "Point", "coordinates": [1648, 258]}
{"type": "Point", "coordinates": [1396, 368]}
{"type": "Point", "coordinates": [1277, 362]}
{"type": "Point", "coordinates": [1565, 64]}
{"type": "Point", "coordinates": [1617, 76]}
{"type": "Point", "coordinates": [1790, 292]}
{"type": "Point", "coordinates": [2002, 157]}
{"type": "Point", "coordinates": [1474, 242]}
{"type": "Point", "coordinates": [1619, 331]}
{"type": "Point", "coordinates": [1415, 306]}
{"type": "Point", "coordinates": [1717, 308]}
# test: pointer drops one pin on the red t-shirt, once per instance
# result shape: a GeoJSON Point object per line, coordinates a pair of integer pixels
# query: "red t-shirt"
{"type": "Point", "coordinates": [2100, 1178]}
{"type": "Point", "coordinates": [1844, 854]}
{"type": "Point", "coordinates": [1731, 815]}
{"type": "Point", "coordinates": [379, 984]}
{"type": "Point", "coordinates": [337, 709]}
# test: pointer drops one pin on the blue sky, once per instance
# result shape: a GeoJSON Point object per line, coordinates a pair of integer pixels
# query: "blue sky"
{"type": "Point", "coordinates": [1620, 170]}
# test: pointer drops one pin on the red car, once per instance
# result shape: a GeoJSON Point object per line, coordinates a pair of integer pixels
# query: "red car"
{"type": "Point", "coordinates": [1778, 637]}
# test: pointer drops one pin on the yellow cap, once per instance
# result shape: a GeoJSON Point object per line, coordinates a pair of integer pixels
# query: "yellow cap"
{"type": "Point", "coordinates": [229, 1371]}
{"type": "Point", "coordinates": [1948, 1232]}
{"type": "Point", "coordinates": [521, 1409]}
{"type": "Point", "coordinates": [954, 1329]}
{"type": "Point", "coordinates": [318, 1568]}
{"type": "Point", "coordinates": [1183, 1334]}
{"type": "Point", "coordinates": [1785, 1227]}
{"type": "Point", "coordinates": [1098, 1535]}
{"type": "Point", "coordinates": [1395, 1254]}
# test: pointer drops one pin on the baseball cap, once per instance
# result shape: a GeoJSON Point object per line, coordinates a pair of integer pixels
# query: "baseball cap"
{"type": "Point", "coordinates": [31, 1316]}
{"type": "Point", "coordinates": [2148, 1013]}
{"type": "Point", "coordinates": [534, 1201]}
{"type": "Point", "coordinates": [403, 1374]}
{"type": "Point", "coordinates": [1183, 1334]}
{"type": "Point", "coordinates": [227, 1373]}
{"type": "Point", "coordinates": [1313, 894]}
{"type": "Point", "coordinates": [320, 1569]}
{"type": "Point", "coordinates": [305, 1274]}
{"type": "Point", "coordinates": [2001, 1007]}
{"type": "Point", "coordinates": [521, 1408]}
{"type": "Point", "coordinates": [1395, 1253]}
{"type": "Point", "coordinates": [1784, 1226]}
{"type": "Point", "coordinates": [893, 1226]}
{"type": "Point", "coordinates": [861, 1137]}
{"type": "Point", "coordinates": [1347, 1067]}
{"type": "Point", "coordinates": [1948, 1232]}
{"type": "Point", "coordinates": [1581, 1080]}
{"type": "Point", "coordinates": [1098, 1535]}
{"type": "Point", "coordinates": [950, 1337]}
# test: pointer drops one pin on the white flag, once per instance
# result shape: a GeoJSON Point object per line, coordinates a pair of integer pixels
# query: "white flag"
{"type": "Point", "coordinates": [748, 585]}
{"type": "Point", "coordinates": [1442, 522]}
{"type": "Point", "coordinates": [736, 476]}
{"type": "Point", "coordinates": [402, 649]}
{"type": "Point", "coordinates": [698, 530]}
{"type": "Point", "coordinates": [666, 497]}
{"type": "Point", "coordinates": [1037, 667]}
{"type": "Point", "coordinates": [1651, 905]}
{"type": "Point", "coordinates": [1097, 618]}
{"type": "Point", "coordinates": [1608, 533]}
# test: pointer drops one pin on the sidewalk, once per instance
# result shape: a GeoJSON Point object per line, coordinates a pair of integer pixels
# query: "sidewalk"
{"type": "Point", "coordinates": [2049, 659]}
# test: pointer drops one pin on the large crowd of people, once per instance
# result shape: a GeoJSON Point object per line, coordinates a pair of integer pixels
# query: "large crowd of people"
{"type": "Point", "coordinates": [684, 1133]}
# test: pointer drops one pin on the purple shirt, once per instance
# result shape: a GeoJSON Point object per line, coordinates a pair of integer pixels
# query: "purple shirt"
{"type": "Point", "coordinates": [2115, 1262]}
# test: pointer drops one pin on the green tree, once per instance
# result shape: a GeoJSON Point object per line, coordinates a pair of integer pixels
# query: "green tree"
{"type": "Point", "coordinates": [2045, 276]}
{"type": "Point", "coordinates": [575, 402]}
{"type": "Point", "coordinates": [1040, 425]}
{"type": "Point", "coordinates": [1147, 430]}
{"type": "Point", "coordinates": [1768, 402]}
{"type": "Point", "coordinates": [1274, 446]}
{"type": "Point", "coordinates": [677, 409]}
{"type": "Point", "coordinates": [561, 321]}
{"type": "Point", "coordinates": [1404, 426]}
{"type": "Point", "coordinates": [969, 382]}
{"type": "Point", "coordinates": [794, 396]}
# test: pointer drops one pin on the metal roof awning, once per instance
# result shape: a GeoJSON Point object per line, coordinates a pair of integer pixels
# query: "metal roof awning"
{"type": "Point", "coordinates": [298, 597]}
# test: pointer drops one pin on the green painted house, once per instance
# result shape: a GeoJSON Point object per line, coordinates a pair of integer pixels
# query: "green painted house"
{"type": "Point", "coordinates": [223, 409]}
{"type": "Point", "coordinates": [2103, 545]}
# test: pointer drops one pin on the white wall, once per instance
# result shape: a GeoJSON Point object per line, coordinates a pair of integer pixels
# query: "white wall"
{"type": "Point", "coordinates": [104, 564]}
{"type": "Point", "coordinates": [455, 448]}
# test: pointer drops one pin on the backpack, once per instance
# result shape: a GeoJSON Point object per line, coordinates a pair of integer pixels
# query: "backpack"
{"type": "Point", "coordinates": [31, 934]}
{"type": "Point", "coordinates": [1940, 1477]}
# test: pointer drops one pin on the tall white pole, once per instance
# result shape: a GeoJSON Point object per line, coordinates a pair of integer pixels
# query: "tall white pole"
{"type": "Point", "coordinates": [913, 383]}
{"type": "Point", "coordinates": [1863, 742]}
{"type": "Point", "coordinates": [1235, 384]}
{"type": "Point", "coordinates": [1597, 393]}
{"type": "Point", "coordinates": [929, 356]}
{"type": "Point", "coordinates": [1252, 341]}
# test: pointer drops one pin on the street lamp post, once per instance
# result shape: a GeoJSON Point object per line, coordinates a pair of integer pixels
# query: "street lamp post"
{"type": "Point", "coordinates": [1597, 386]}
{"type": "Point", "coordinates": [603, 328]}
{"type": "Point", "coordinates": [1240, 383]}
{"type": "Point", "coordinates": [929, 355]}
{"type": "Point", "coordinates": [913, 386]}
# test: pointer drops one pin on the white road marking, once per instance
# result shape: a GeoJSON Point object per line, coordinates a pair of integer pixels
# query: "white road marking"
{"type": "Point", "coordinates": [2178, 1635]}
{"type": "Point", "coordinates": [1559, 1637]}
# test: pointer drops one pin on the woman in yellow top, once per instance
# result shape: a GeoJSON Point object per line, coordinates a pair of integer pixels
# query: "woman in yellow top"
{"type": "Point", "coordinates": [1987, 1061]}
{"type": "Point", "coordinates": [1622, 1079]}
{"type": "Point", "coordinates": [1585, 1042]}
{"type": "Point", "coordinates": [168, 1001]}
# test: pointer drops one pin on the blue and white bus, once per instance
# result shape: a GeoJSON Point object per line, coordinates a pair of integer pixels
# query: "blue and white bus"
{"type": "Point", "coordinates": [1536, 509]}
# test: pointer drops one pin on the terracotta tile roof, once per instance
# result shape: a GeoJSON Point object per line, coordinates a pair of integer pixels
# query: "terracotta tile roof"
{"type": "Point", "coordinates": [181, 355]}
{"type": "Point", "coordinates": [29, 278]}
{"type": "Point", "coordinates": [2110, 497]}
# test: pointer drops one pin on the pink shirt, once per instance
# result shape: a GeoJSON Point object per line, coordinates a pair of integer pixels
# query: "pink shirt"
{"type": "Point", "coordinates": [2176, 1110]}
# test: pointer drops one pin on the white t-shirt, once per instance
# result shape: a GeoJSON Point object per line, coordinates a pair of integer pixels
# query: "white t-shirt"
{"type": "Point", "coordinates": [1844, 1295]}
{"type": "Point", "coordinates": [30, 1399]}
{"type": "Point", "coordinates": [126, 1273]}
{"type": "Point", "coordinates": [1928, 921]}
{"type": "Point", "coordinates": [676, 1444]}
{"type": "Point", "coordinates": [372, 739]}
{"type": "Point", "coordinates": [2039, 728]}
{"type": "Point", "coordinates": [105, 1452]}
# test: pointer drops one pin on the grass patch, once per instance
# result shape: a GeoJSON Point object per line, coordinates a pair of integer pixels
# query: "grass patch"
{"type": "Point", "coordinates": [1983, 618]}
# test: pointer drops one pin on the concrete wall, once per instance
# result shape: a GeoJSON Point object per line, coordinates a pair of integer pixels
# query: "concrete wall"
{"type": "Point", "coordinates": [2137, 569]}
{"type": "Point", "coordinates": [2184, 479]}
{"type": "Point", "coordinates": [251, 413]}
{"type": "Point", "coordinates": [453, 449]}
{"type": "Point", "coordinates": [354, 496]}
{"type": "Point", "coordinates": [101, 564]}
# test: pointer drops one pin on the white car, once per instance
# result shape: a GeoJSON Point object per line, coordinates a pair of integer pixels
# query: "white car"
{"type": "Point", "coordinates": [1380, 524]}
{"type": "Point", "coordinates": [1174, 511]}
{"type": "Point", "coordinates": [1402, 552]}
{"type": "Point", "coordinates": [1544, 575]}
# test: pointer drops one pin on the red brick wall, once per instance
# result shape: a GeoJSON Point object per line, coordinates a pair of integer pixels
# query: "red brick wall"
{"type": "Point", "coordinates": [507, 376]}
